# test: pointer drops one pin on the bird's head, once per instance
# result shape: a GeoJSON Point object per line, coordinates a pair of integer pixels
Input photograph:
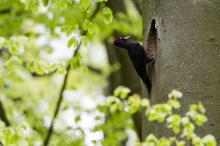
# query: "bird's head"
{"type": "Point", "coordinates": [120, 41]}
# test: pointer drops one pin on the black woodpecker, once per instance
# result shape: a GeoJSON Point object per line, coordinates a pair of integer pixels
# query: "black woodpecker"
{"type": "Point", "coordinates": [138, 57]}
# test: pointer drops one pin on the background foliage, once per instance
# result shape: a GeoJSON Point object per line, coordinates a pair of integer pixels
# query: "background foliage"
{"type": "Point", "coordinates": [37, 41]}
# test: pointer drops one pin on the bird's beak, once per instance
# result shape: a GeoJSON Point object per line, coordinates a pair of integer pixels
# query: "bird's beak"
{"type": "Point", "coordinates": [127, 37]}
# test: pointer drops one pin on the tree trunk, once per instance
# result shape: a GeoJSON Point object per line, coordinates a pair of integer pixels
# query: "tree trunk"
{"type": "Point", "coordinates": [188, 56]}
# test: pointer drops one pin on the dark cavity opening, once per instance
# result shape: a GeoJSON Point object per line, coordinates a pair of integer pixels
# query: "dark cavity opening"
{"type": "Point", "coordinates": [152, 39]}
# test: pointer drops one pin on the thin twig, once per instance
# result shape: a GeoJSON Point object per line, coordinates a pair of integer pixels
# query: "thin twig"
{"type": "Point", "coordinates": [50, 130]}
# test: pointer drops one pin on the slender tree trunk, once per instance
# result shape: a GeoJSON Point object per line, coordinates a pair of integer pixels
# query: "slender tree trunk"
{"type": "Point", "coordinates": [126, 76]}
{"type": "Point", "coordinates": [188, 56]}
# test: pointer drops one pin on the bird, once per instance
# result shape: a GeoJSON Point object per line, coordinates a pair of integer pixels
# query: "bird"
{"type": "Point", "coordinates": [139, 58]}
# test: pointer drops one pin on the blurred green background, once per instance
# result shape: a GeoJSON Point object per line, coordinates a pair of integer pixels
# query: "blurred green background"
{"type": "Point", "coordinates": [37, 41]}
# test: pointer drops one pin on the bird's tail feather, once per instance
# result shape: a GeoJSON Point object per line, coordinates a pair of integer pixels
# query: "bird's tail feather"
{"type": "Point", "coordinates": [148, 85]}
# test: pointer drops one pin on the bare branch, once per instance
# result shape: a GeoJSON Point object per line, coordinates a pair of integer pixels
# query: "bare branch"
{"type": "Point", "coordinates": [50, 130]}
{"type": "Point", "coordinates": [3, 115]}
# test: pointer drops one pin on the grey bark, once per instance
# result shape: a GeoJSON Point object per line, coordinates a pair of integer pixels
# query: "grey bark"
{"type": "Point", "coordinates": [188, 56]}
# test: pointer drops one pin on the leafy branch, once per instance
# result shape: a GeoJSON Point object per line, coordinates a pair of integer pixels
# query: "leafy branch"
{"type": "Point", "coordinates": [122, 104]}
{"type": "Point", "coordinates": [59, 102]}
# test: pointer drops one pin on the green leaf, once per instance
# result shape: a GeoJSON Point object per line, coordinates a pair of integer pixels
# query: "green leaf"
{"type": "Point", "coordinates": [164, 142]}
{"type": "Point", "coordinates": [77, 119]}
{"type": "Point", "coordinates": [185, 120]}
{"type": "Point", "coordinates": [173, 121]}
{"type": "Point", "coordinates": [93, 28]}
{"type": "Point", "coordinates": [27, 4]}
{"type": "Point", "coordinates": [110, 100]}
{"type": "Point", "coordinates": [113, 108]}
{"type": "Point", "coordinates": [75, 62]}
{"type": "Point", "coordinates": [107, 13]}
{"type": "Point", "coordinates": [72, 42]}
{"type": "Point", "coordinates": [188, 130]}
{"type": "Point", "coordinates": [197, 141]}
{"type": "Point", "coordinates": [14, 60]}
{"type": "Point", "coordinates": [175, 94]}
{"type": "Point", "coordinates": [14, 50]}
{"type": "Point", "coordinates": [159, 112]}
{"type": "Point", "coordinates": [31, 66]}
{"type": "Point", "coordinates": [155, 114]}
{"type": "Point", "coordinates": [74, 26]}
{"type": "Point", "coordinates": [85, 69]}
{"type": "Point", "coordinates": [121, 92]}
{"type": "Point", "coordinates": [39, 68]}
{"type": "Point", "coordinates": [201, 108]}
{"type": "Point", "coordinates": [193, 107]}
{"type": "Point", "coordinates": [180, 143]}
{"type": "Point", "coordinates": [134, 102]}
{"type": "Point", "coordinates": [145, 103]}
{"type": "Point", "coordinates": [52, 67]}
{"type": "Point", "coordinates": [101, 108]}
{"type": "Point", "coordinates": [84, 3]}
{"type": "Point", "coordinates": [152, 115]}
{"type": "Point", "coordinates": [151, 139]}
{"type": "Point", "coordinates": [166, 108]}
{"type": "Point", "coordinates": [85, 41]}
{"type": "Point", "coordinates": [67, 29]}
{"type": "Point", "coordinates": [34, 5]}
{"type": "Point", "coordinates": [61, 69]}
{"type": "Point", "coordinates": [209, 140]}
{"type": "Point", "coordinates": [200, 119]}
{"type": "Point", "coordinates": [174, 103]}
{"type": "Point", "coordinates": [176, 129]}
{"type": "Point", "coordinates": [86, 25]}
{"type": "Point", "coordinates": [120, 106]}
{"type": "Point", "coordinates": [190, 127]}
